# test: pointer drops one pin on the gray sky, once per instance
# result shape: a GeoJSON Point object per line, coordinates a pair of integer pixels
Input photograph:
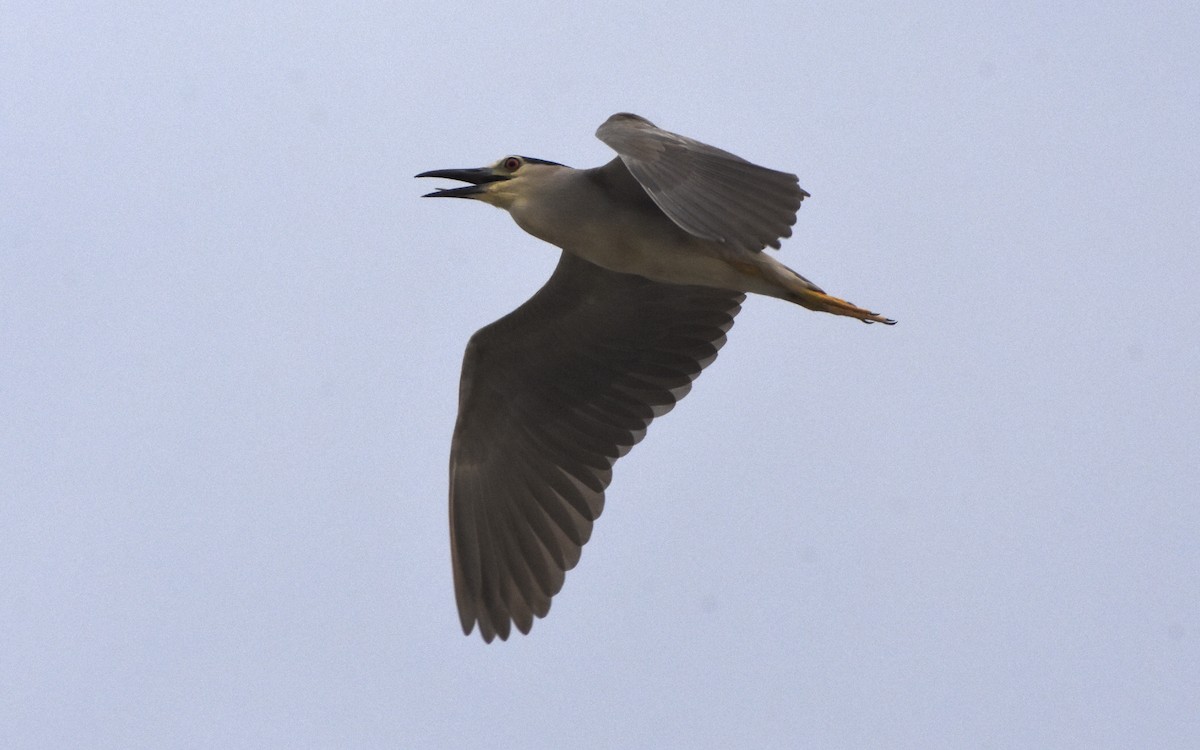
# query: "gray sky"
{"type": "Point", "coordinates": [231, 334]}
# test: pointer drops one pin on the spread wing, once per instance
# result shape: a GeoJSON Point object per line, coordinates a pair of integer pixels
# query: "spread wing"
{"type": "Point", "coordinates": [708, 192]}
{"type": "Point", "coordinates": [551, 396]}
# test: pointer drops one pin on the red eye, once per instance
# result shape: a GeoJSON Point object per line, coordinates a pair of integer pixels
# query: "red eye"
{"type": "Point", "coordinates": [512, 163]}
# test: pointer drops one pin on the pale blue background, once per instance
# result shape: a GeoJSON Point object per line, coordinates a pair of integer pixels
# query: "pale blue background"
{"type": "Point", "coordinates": [230, 334]}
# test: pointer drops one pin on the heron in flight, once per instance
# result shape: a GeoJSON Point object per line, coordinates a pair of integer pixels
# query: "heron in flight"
{"type": "Point", "coordinates": [659, 248]}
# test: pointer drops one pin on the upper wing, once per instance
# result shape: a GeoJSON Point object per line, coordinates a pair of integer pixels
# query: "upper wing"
{"type": "Point", "coordinates": [551, 395]}
{"type": "Point", "coordinates": [708, 192]}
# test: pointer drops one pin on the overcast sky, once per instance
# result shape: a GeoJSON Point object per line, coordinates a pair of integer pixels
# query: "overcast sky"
{"type": "Point", "coordinates": [230, 336]}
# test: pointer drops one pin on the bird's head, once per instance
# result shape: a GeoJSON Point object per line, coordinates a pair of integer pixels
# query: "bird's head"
{"type": "Point", "coordinates": [501, 184]}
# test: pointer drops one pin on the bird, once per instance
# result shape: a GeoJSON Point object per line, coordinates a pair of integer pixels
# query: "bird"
{"type": "Point", "coordinates": [659, 248]}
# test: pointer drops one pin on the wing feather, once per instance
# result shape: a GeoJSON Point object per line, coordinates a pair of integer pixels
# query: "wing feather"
{"type": "Point", "coordinates": [551, 396]}
{"type": "Point", "coordinates": [707, 191]}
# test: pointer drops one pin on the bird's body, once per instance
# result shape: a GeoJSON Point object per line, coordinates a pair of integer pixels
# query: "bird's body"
{"type": "Point", "coordinates": [660, 246]}
{"type": "Point", "coordinates": [604, 217]}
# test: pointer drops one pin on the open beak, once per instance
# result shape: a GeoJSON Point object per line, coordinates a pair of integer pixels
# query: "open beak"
{"type": "Point", "coordinates": [477, 177]}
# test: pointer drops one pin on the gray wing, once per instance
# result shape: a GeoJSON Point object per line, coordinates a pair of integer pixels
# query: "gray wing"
{"type": "Point", "coordinates": [708, 192]}
{"type": "Point", "coordinates": [551, 396]}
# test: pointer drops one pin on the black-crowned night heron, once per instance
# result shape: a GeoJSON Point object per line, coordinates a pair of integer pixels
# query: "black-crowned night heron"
{"type": "Point", "coordinates": [660, 247]}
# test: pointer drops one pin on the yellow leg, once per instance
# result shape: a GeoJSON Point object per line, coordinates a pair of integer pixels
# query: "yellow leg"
{"type": "Point", "coordinates": [822, 302]}
{"type": "Point", "coordinates": [795, 288]}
